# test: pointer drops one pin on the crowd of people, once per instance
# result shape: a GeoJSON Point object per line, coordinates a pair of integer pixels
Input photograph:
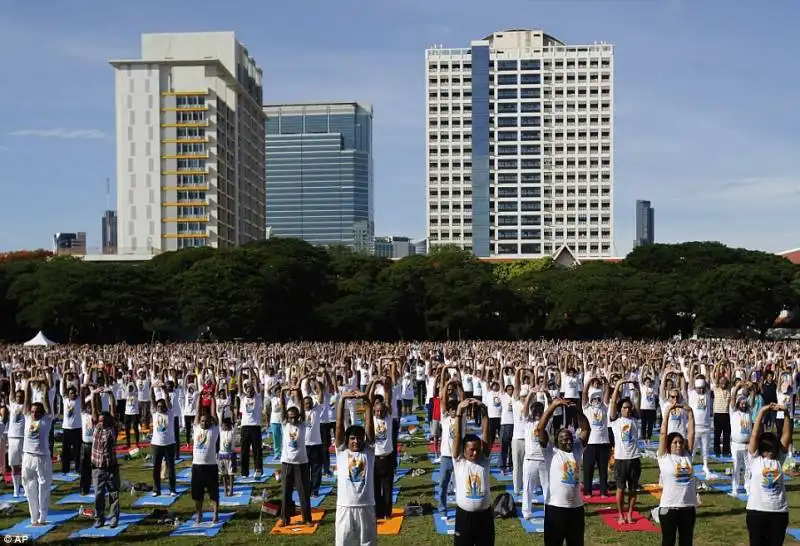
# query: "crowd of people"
{"type": "Point", "coordinates": [559, 410]}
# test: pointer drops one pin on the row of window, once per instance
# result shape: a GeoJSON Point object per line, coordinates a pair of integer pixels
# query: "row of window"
{"type": "Point", "coordinates": [523, 64]}
{"type": "Point", "coordinates": [190, 117]}
{"type": "Point", "coordinates": [191, 242]}
{"type": "Point", "coordinates": [190, 100]}
{"type": "Point", "coordinates": [466, 80]}
{"type": "Point", "coordinates": [190, 132]}
{"type": "Point", "coordinates": [190, 148]}
{"type": "Point", "coordinates": [192, 195]}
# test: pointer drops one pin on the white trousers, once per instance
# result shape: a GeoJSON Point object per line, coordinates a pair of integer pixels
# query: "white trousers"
{"type": "Point", "coordinates": [534, 473]}
{"type": "Point", "coordinates": [356, 526]}
{"type": "Point", "coordinates": [517, 460]}
{"type": "Point", "coordinates": [740, 469]}
{"type": "Point", "coordinates": [37, 475]}
{"type": "Point", "coordinates": [702, 442]}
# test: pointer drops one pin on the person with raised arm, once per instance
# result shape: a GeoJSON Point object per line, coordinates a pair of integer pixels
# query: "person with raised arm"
{"type": "Point", "coordinates": [205, 470]}
{"type": "Point", "coordinates": [105, 467]}
{"type": "Point", "coordinates": [563, 503]}
{"type": "Point", "coordinates": [677, 508]}
{"type": "Point", "coordinates": [37, 466]}
{"type": "Point", "coordinates": [767, 505]}
{"type": "Point", "coordinates": [294, 458]}
{"type": "Point", "coordinates": [628, 464]}
{"type": "Point", "coordinates": [356, 524]}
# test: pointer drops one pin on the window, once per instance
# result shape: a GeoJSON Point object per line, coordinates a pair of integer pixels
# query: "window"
{"type": "Point", "coordinates": [506, 65]}
{"type": "Point", "coordinates": [507, 93]}
{"type": "Point", "coordinates": [530, 64]}
{"type": "Point", "coordinates": [130, 165]}
{"type": "Point", "coordinates": [132, 117]}
{"type": "Point", "coordinates": [133, 149]}
{"type": "Point", "coordinates": [506, 79]}
{"type": "Point", "coordinates": [530, 79]}
{"type": "Point", "coordinates": [507, 122]}
{"type": "Point", "coordinates": [507, 107]}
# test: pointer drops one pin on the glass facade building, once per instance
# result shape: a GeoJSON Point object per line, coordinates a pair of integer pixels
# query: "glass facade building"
{"type": "Point", "coordinates": [320, 173]}
{"type": "Point", "coordinates": [645, 224]}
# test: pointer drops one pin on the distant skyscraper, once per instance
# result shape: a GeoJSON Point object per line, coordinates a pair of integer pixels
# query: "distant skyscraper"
{"type": "Point", "coordinates": [320, 173]}
{"type": "Point", "coordinates": [109, 230]}
{"type": "Point", "coordinates": [645, 224]}
{"type": "Point", "coordinates": [190, 144]}
{"type": "Point", "coordinates": [394, 247]}
{"type": "Point", "coordinates": [69, 244]}
{"type": "Point", "coordinates": [520, 146]}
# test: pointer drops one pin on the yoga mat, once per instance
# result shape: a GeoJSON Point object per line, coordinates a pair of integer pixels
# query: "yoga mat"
{"type": "Point", "coordinates": [54, 519]}
{"type": "Point", "coordinates": [125, 520]}
{"type": "Point", "coordinates": [721, 459]}
{"type": "Point", "coordinates": [205, 529]}
{"type": "Point", "coordinates": [77, 498]}
{"type": "Point", "coordinates": [451, 497]}
{"type": "Point", "coordinates": [727, 487]}
{"type": "Point", "coordinates": [400, 473]}
{"type": "Point", "coordinates": [65, 478]}
{"type": "Point", "coordinates": [184, 475]}
{"type": "Point", "coordinates": [640, 523]}
{"type": "Point", "coordinates": [445, 527]}
{"type": "Point", "coordinates": [395, 494]}
{"type": "Point", "coordinates": [533, 525]}
{"type": "Point", "coordinates": [391, 526]}
{"type": "Point", "coordinates": [495, 472]}
{"type": "Point", "coordinates": [9, 498]}
{"type": "Point", "coordinates": [317, 500]}
{"type": "Point", "coordinates": [538, 498]}
{"type": "Point", "coordinates": [654, 489]}
{"type": "Point", "coordinates": [701, 475]}
{"type": "Point", "coordinates": [241, 496]}
{"type": "Point", "coordinates": [125, 449]}
{"type": "Point", "coordinates": [165, 499]}
{"type": "Point", "coordinates": [409, 420]}
{"type": "Point", "coordinates": [794, 533]}
{"type": "Point", "coordinates": [296, 527]}
{"type": "Point", "coordinates": [266, 474]}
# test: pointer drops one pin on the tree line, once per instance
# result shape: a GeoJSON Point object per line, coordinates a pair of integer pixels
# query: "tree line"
{"type": "Point", "coordinates": [286, 289]}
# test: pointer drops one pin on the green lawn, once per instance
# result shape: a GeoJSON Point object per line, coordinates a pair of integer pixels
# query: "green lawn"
{"type": "Point", "coordinates": [721, 519]}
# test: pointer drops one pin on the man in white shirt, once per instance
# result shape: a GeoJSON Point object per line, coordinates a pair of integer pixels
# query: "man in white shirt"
{"type": "Point", "coordinates": [474, 514]}
{"type": "Point", "coordinates": [355, 462]}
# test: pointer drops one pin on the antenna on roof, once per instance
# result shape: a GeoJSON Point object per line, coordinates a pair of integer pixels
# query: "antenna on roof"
{"type": "Point", "coordinates": [108, 194]}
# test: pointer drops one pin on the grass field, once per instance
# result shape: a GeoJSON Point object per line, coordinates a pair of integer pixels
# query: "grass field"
{"type": "Point", "coordinates": [720, 520]}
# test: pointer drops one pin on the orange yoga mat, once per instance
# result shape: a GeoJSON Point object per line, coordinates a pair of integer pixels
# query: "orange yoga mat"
{"type": "Point", "coordinates": [296, 527]}
{"type": "Point", "coordinates": [654, 489]}
{"type": "Point", "coordinates": [391, 526]}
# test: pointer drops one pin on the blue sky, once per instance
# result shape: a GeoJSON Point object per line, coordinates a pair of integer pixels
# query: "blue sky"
{"type": "Point", "coordinates": [706, 100]}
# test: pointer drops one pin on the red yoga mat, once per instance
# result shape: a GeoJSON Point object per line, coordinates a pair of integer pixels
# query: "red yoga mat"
{"type": "Point", "coordinates": [640, 523]}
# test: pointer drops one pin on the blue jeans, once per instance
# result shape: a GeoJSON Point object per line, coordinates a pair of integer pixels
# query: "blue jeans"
{"type": "Point", "coordinates": [445, 475]}
{"type": "Point", "coordinates": [277, 439]}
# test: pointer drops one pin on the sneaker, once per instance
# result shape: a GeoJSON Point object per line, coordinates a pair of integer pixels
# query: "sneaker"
{"type": "Point", "coordinates": [113, 524]}
{"type": "Point", "coordinates": [98, 524]}
{"type": "Point", "coordinates": [173, 493]}
{"type": "Point", "coordinates": [156, 493]}
{"type": "Point", "coordinates": [257, 475]}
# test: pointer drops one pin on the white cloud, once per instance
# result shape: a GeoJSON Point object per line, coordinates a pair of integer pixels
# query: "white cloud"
{"type": "Point", "coordinates": [69, 134]}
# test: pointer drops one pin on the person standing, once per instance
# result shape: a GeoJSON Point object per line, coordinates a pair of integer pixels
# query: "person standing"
{"type": "Point", "coordinates": [205, 471]}
{"type": "Point", "coordinates": [250, 408]}
{"type": "Point", "coordinates": [722, 419]}
{"type": "Point", "coordinates": [71, 425]}
{"type": "Point", "coordinates": [383, 478]}
{"type": "Point", "coordinates": [294, 460]}
{"type": "Point", "coordinates": [767, 505]}
{"type": "Point", "coordinates": [677, 508]}
{"type": "Point", "coordinates": [163, 440]}
{"type": "Point", "coordinates": [598, 450]}
{"type": "Point", "coordinates": [627, 456]}
{"type": "Point", "coordinates": [474, 516]}
{"type": "Point", "coordinates": [105, 469]}
{"type": "Point", "coordinates": [16, 436]}
{"type": "Point", "coordinates": [356, 524]}
{"type": "Point", "coordinates": [37, 471]}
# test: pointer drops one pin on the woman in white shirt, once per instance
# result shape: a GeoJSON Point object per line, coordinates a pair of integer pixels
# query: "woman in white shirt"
{"type": "Point", "coordinates": [598, 449]}
{"type": "Point", "coordinates": [627, 457]}
{"type": "Point", "coordinates": [767, 505]}
{"type": "Point", "coordinates": [676, 511]}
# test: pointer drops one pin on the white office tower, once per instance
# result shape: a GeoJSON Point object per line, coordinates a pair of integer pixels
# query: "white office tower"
{"type": "Point", "coordinates": [190, 144]}
{"type": "Point", "coordinates": [520, 154]}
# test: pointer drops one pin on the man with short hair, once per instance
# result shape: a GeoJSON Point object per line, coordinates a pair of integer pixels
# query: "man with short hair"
{"type": "Point", "coordinates": [105, 469]}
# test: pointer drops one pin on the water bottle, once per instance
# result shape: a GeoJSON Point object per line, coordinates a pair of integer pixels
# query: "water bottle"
{"type": "Point", "coordinates": [80, 510]}
{"type": "Point", "coordinates": [177, 522]}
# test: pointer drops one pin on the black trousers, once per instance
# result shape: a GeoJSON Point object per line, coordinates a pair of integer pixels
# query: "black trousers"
{"type": "Point", "coordinates": [188, 423]}
{"type": "Point", "coordinates": [395, 436]}
{"type": "Point", "coordinates": [767, 528]}
{"type": "Point", "coordinates": [71, 449]}
{"type": "Point", "coordinates": [571, 413]}
{"type": "Point", "coordinates": [563, 524]}
{"type": "Point", "coordinates": [599, 455]}
{"type": "Point", "coordinates": [420, 393]}
{"type": "Point", "coordinates": [494, 430]}
{"type": "Point", "coordinates": [326, 433]}
{"type": "Point", "coordinates": [506, 435]}
{"type": "Point", "coordinates": [162, 454]}
{"type": "Point", "coordinates": [176, 422]}
{"type": "Point", "coordinates": [314, 454]}
{"type": "Point", "coordinates": [131, 420]}
{"type": "Point", "coordinates": [722, 431]}
{"type": "Point", "coordinates": [648, 422]}
{"type": "Point", "coordinates": [383, 482]}
{"type": "Point", "coordinates": [251, 438]}
{"type": "Point", "coordinates": [86, 468]}
{"type": "Point", "coordinates": [677, 522]}
{"type": "Point", "coordinates": [295, 476]}
{"type": "Point", "coordinates": [474, 528]}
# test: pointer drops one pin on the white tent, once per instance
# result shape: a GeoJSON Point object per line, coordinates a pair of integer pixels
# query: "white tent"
{"type": "Point", "coordinates": [39, 340]}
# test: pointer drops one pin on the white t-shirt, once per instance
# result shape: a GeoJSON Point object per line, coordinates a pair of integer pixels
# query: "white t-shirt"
{"type": "Point", "coordinates": [190, 402]}
{"type": "Point", "coordinates": [533, 447]}
{"type": "Point", "coordinates": [648, 401]}
{"type": "Point", "coordinates": [72, 414]}
{"type": "Point", "coordinates": [741, 426]}
{"type": "Point", "coordinates": [519, 421]}
{"type": "Point", "coordinates": [419, 370]}
{"type": "Point", "coordinates": [163, 429]}
{"type": "Point", "coordinates": [507, 411]}
{"type": "Point", "coordinates": [143, 389]}
{"type": "Point", "coordinates": [16, 420]}
{"type": "Point", "coordinates": [293, 448]}
{"type": "Point", "coordinates": [767, 485]}
{"type": "Point", "coordinates": [383, 436]}
{"type": "Point", "coordinates": [494, 404]}
{"type": "Point", "coordinates": [571, 386]}
{"type": "Point", "coordinates": [275, 412]}
{"type": "Point", "coordinates": [251, 410]}
{"type": "Point", "coordinates": [626, 438]}
{"type": "Point", "coordinates": [472, 484]}
{"type": "Point", "coordinates": [598, 423]}
{"type": "Point", "coordinates": [227, 442]}
{"type": "Point", "coordinates": [678, 420]}
{"type": "Point", "coordinates": [313, 416]}
{"type": "Point", "coordinates": [564, 490]}
{"type": "Point", "coordinates": [37, 434]}
{"type": "Point", "coordinates": [467, 382]}
{"type": "Point", "coordinates": [678, 481]}
{"type": "Point", "coordinates": [204, 449]}
{"type": "Point", "coordinates": [132, 403]}
{"type": "Point", "coordinates": [448, 435]}
{"type": "Point", "coordinates": [87, 429]}
{"type": "Point", "coordinates": [354, 477]}
{"type": "Point", "coordinates": [702, 408]}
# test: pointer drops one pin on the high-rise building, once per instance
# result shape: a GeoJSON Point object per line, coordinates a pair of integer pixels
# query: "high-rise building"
{"type": "Point", "coordinates": [109, 231]}
{"type": "Point", "coordinates": [394, 247]}
{"type": "Point", "coordinates": [320, 173]}
{"type": "Point", "coordinates": [519, 146]}
{"type": "Point", "coordinates": [190, 144]}
{"type": "Point", "coordinates": [645, 224]}
{"type": "Point", "coordinates": [69, 244]}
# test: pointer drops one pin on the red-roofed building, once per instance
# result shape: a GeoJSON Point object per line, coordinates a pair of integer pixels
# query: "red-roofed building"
{"type": "Point", "coordinates": [791, 255]}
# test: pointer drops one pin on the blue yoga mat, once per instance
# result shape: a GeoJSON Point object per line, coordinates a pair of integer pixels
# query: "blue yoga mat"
{"type": "Point", "coordinates": [409, 420]}
{"type": "Point", "coordinates": [400, 473]}
{"type": "Point", "coordinates": [125, 520]}
{"type": "Point", "coordinates": [241, 496]}
{"type": "Point", "coordinates": [8, 498]}
{"type": "Point", "coordinates": [65, 478]}
{"type": "Point", "coordinates": [165, 499]}
{"type": "Point", "coordinates": [721, 459]}
{"type": "Point", "coordinates": [266, 474]}
{"type": "Point", "coordinates": [538, 498]}
{"type": "Point", "coordinates": [701, 475]}
{"type": "Point", "coordinates": [315, 501]}
{"type": "Point", "coordinates": [395, 494]}
{"type": "Point", "coordinates": [499, 477]}
{"type": "Point", "coordinates": [445, 527]}
{"type": "Point", "coordinates": [54, 519]}
{"type": "Point", "coordinates": [794, 533]}
{"type": "Point", "coordinates": [451, 498]}
{"type": "Point", "coordinates": [533, 525]}
{"type": "Point", "coordinates": [205, 529]}
{"type": "Point", "coordinates": [726, 488]}
{"type": "Point", "coordinates": [77, 498]}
